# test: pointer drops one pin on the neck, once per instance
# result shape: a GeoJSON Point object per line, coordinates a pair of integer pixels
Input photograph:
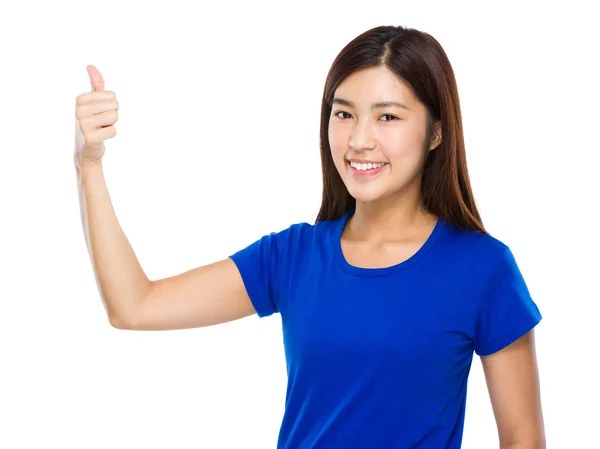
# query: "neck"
{"type": "Point", "coordinates": [389, 219]}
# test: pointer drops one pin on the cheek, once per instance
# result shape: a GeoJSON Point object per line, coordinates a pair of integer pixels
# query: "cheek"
{"type": "Point", "coordinates": [404, 147]}
{"type": "Point", "coordinates": [337, 144]}
{"type": "Point", "coordinates": [399, 152]}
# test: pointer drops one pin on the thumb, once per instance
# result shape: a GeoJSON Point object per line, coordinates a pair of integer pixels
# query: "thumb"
{"type": "Point", "coordinates": [96, 79]}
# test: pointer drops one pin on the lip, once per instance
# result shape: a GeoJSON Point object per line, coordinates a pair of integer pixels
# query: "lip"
{"type": "Point", "coordinates": [365, 173]}
{"type": "Point", "coordinates": [365, 161]}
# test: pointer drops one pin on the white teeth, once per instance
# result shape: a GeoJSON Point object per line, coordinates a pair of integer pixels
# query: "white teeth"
{"type": "Point", "coordinates": [366, 166]}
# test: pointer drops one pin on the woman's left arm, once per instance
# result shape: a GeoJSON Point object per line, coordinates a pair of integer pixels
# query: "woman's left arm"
{"type": "Point", "coordinates": [513, 383]}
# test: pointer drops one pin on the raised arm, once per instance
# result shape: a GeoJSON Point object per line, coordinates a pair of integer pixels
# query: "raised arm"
{"type": "Point", "coordinates": [202, 296]}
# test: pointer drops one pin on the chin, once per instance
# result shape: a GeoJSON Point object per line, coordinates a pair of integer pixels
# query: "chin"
{"type": "Point", "coordinates": [365, 195]}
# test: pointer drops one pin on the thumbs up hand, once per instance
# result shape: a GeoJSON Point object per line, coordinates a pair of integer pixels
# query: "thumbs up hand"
{"type": "Point", "coordinates": [96, 114]}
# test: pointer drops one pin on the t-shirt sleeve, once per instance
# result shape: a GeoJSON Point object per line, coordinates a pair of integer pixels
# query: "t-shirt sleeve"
{"type": "Point", "coordinates": [506, 310]}
{"type": "Point", "coordinates": [259, 265]}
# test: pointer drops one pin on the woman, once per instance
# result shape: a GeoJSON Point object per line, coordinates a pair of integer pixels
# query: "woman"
{"type": "Point", "coordinates": [387, 296]}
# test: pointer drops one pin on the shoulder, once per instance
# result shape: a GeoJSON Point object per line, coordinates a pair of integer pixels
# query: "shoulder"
{"type": "Point", "coordinates": [302, 239]}
{"type": "Point", "coordinates": [483, 248]}
{"type": "Point", "coordinates": [477, 256]}
{"type": "Point", "coordinates": [291, 233]}
{"type": "Point", "coordinates": [488, 267]}
{"type": "Point", "coordinates": [303, 232]}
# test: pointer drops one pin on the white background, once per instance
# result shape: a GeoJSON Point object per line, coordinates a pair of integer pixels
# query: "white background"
{"type": "Point", "coordinates": [217, 145]}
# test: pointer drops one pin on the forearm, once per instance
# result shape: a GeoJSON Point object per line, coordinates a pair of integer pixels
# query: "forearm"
{"type": "Point", "coordinates": [120, 278]}
{"type": "Point", "coordinates": [525, 445]}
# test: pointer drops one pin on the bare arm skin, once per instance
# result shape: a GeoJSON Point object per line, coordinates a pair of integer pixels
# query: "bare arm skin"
{"type": "Point", "coordinates": [203, 296]}
{"type": "Point", "coordinates": [513, 384]}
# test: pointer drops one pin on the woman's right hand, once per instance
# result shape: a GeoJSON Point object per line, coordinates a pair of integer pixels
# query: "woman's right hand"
{"type": "Point", "coordinates": [96, 114]}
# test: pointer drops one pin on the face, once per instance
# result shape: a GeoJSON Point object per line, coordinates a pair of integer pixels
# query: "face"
{"type": "Point", "coordinates": [378, 151]}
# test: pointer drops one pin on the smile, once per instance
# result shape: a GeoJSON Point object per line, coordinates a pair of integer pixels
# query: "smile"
{"type": "Point", "coordinates": [366, 169]}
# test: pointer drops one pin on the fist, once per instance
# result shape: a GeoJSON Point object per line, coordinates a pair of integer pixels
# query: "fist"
{"type": "Point", "coordinates": [95, 117]}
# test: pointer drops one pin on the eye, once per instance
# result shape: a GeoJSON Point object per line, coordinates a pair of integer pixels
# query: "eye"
{"type": "Point", "coordinates": [389, 119]}
{"type": "Point", "coordinates": [340, 112]}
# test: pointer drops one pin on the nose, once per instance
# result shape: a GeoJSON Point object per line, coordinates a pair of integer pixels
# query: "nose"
{"type": "Point", "coordinates": [361, 138]}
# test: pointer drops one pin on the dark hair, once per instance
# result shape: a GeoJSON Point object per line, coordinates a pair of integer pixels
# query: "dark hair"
{"type": "Point", "coordinates": [419, 60]}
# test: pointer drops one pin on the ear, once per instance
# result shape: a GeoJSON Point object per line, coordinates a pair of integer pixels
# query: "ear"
{"type": "Point", "coordinates": [436, 140]}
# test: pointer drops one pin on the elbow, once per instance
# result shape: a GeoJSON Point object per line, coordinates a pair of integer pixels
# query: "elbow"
{"type": "Point", "coordinates": [118, 323]}
{"type": "Point", "coordinates": [128, 319]}
{"type": "Point", "coordinates": [123, 322]}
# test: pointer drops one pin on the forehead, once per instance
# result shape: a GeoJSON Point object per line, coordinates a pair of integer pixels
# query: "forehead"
{"type": "Point", "coordinates": [374, 83]}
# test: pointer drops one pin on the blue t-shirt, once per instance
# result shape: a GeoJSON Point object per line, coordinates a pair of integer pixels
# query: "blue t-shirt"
{"type": "Point", "coordinates": [379, 357]}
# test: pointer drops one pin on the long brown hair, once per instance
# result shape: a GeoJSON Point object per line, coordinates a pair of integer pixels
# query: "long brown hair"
{"type": "Point", "coordinates": [420, 61]}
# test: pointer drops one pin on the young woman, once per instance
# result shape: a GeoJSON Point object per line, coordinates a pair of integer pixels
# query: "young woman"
{"type": "Point", "coordinates": [387, 296]}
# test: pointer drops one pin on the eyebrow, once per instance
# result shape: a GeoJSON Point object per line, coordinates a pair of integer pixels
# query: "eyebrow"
{"type": "Point", "coordinates": [380, 105]}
